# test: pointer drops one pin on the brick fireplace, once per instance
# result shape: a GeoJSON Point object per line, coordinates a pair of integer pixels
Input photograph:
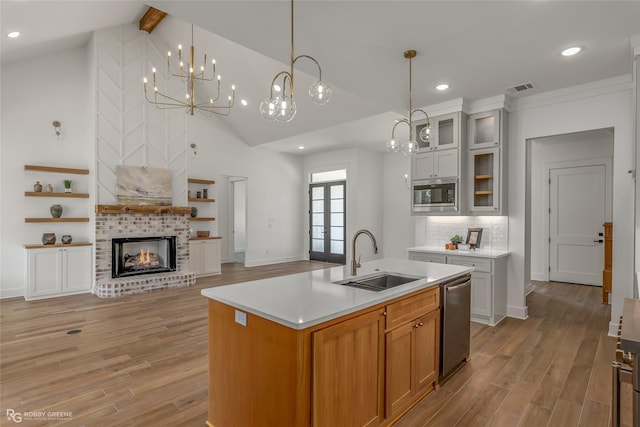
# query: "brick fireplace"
{"type": "Point", "coordinates": [122, 222]}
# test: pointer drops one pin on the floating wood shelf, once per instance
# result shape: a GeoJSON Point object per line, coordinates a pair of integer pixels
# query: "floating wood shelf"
{"type": "Point", "coordinates": [205, 238]}
{"type": "Point", "coordinates": [47, 194]}
{"type": "Point", "coordinates": [202, 218]}
{"type": "Point", "coordinates": [480, 177]}
{"type": "Point", "coordinates": [200, 181]}
{"type": "Point", "coordinates": [483, 193]}
{"type": "Point", "coordinates": [56, 170]}
{"type": "Point", "coordinates": [142, 209]}
{"type": "Point", "coordinates": [201, 200]}
{"type": "Point", "coordinates": [57, 245]}
{"type": "Point", "coordinates": [56, 220]}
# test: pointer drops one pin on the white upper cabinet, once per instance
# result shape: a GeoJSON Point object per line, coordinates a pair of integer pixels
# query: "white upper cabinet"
{"type": "Point", "coordinates": [485, 129]}
{"type": "Point", "coordinates": [487, 163]}
{"type": "Point", "coordinates": [444, 132]}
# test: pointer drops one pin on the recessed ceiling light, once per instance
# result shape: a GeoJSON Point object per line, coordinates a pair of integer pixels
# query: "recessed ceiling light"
{"type": "Point", "coordinates": [442, 86]}
{"type": "Point", "coordinates": [13, 34]}
{"type": "Point", "coordinates": [277, 88]}
{"type": "Point", "coordinates": [300, 147]}
{"type": "Point", "coordinates": [571, 51]}
{"type": "Point", "coordinates": [244, 102]}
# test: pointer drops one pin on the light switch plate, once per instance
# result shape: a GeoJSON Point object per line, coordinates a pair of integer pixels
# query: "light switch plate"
{"type": "Point", "coordinates": [241, 317]}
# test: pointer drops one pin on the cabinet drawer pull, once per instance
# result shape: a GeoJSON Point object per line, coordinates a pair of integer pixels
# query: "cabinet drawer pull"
{"type": "Point", "coordinates": [466, 264]}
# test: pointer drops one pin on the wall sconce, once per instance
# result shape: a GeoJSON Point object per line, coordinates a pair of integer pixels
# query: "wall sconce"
{"type": "Point", "coordinates": [194, 147]}
{"type": "Point", "coordinates": [56, 126]}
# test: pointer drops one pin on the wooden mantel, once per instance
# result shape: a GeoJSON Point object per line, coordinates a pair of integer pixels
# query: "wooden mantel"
{"type": "Point", "coordinates": [142, 209]}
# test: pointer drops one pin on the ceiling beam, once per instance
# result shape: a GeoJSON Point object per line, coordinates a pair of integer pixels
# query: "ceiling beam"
{"type": "Point", "coordinates": [151, 19]}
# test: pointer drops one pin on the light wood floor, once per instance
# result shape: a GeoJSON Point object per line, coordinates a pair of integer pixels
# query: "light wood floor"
{"type": "Point", "coordinates": [142, 360]}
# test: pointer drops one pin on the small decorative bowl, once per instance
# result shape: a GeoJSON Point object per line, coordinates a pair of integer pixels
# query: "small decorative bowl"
{"type": "Point", "coordinates": [203, 233]}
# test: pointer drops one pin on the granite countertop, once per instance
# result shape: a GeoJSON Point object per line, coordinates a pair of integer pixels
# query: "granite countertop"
{"type": "Point", "coordinates": [301, 300]}
{"type": "Point", "coordinates": [481, 253]}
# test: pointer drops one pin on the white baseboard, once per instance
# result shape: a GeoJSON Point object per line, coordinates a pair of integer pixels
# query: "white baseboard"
{"type": "Point", "coordinates": [269, 261]}
{"type": "Point", "coordinates": [518, 312]}
{"type": "Point", "coordinates": [538, 276]}
{"type": "Point", "coordinates": [11, 293]}
{"type": "Point", "coordinates": [528, 289]}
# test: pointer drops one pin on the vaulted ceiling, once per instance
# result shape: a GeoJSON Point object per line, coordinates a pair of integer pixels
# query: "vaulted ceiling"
{"type": "Point", "coordinates": [480, 48]}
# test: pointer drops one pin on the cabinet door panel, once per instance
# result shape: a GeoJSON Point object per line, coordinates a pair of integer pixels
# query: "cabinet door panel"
{"type": "Point", "coordinates": [195, 257]}
{"type": "Point", "coordinates": [399, 369]}
{"type": "Point", "coordinates": [347, 373]}
{"type": "Point", "coordinates": [481, 294]}
{"type": "Point", "coordinates": [76, 269]}
{"type": "Point", "coordinates": [44, 272]}
{"type": "Point", "coordinates": [423, 166]}
{"type": "Point", "coordinates": [211, 256]}
{"type": "Point", "coordinates": [484, 129]}
{"type": "Point", "coordinates": [446, 163]}
{"type": "Point", "coordinates": [426, 346]}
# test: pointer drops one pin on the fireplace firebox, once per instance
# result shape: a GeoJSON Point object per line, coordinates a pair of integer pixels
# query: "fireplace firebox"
{"type": "Point", "coordinates": [143, 255]}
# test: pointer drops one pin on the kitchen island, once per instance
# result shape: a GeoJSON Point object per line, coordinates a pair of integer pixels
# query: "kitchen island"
{"type": "Point", "coordinates": [301, 350]}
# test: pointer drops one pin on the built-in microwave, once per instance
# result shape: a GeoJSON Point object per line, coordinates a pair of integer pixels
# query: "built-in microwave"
{"type": "Point", "coordinates": [435, 195]}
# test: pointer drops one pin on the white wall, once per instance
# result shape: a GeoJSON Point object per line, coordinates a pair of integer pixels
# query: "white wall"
{"type": "Point", "coordinates": [33, 96]}
{"type": "Point", "coordinates": [398, 233]}
{"type": "Point", "coordinates": [364, 194]}
{"type": "Point", "coordinates": [275, 190]}
{"type": "Point", "coordinates": [599, 105]}
{"type": "Point", "coordinates": [585, 146]}
{"type": "Point", "coordinates": [239, 214]}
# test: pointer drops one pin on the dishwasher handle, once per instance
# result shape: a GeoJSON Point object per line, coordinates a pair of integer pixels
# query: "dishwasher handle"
{"type": "Point", "coordinates": [457, 281]}
{"type": "Point", "coordinates": [454, 287]}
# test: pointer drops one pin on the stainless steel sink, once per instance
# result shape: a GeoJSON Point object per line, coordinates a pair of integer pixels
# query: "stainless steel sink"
{"type": "Point", "coordinates": [378, 282]}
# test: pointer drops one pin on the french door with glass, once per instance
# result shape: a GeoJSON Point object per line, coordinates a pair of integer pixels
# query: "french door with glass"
{"type": "Point", "coordinates": [327, 215]}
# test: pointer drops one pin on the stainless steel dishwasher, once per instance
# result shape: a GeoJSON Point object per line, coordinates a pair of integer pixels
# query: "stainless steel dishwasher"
{"type": "Point", "coordinates": [455, 318]}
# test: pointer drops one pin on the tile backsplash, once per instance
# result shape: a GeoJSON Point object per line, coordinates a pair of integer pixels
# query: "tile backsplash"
{"type": "Point", "coordinates": [436, 231]}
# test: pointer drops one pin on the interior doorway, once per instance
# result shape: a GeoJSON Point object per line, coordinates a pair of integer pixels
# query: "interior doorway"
{"type": "Point", "coordinates": [570, 199]}
{"type": "Point", "coordinates": [237, 219]}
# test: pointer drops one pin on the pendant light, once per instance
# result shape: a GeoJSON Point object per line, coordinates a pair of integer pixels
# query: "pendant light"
{"type": "Point", "coordinates": [282, 107]}
{"type": "Point", "coordinates": [410, 146]}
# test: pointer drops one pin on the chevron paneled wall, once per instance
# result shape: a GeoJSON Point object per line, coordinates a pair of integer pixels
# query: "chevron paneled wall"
{"type": "Point", "coordinates": [129, 130]}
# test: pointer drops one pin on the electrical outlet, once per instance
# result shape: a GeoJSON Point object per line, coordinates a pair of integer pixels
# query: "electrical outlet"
{"type": "Point", "coordinates": [241, 317]}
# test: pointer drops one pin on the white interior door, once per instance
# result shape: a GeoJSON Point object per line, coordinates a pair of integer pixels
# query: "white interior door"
{"type": "Point", "coordinates": [577, 204]}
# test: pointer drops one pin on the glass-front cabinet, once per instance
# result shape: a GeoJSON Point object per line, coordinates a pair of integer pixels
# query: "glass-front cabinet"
{"type": "Point", "coordinates": [443, 134]}
{"type": "Point", "coordinates": [484, 185]}
{"type": "Point", "coordinates": [484, 129]}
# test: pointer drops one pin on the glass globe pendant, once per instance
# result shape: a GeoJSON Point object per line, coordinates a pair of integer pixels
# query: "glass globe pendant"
{"type": "Point", "coordinates": [320, 92]}
{"type": "Point", "coordinates": [285, 108]}
{"type": "Point", "coordinates": [393, 145]}
{"type": "Point", "coordinates": [268, 109]}
{"type": "Point", "coordinates": [409, 147]}
{"type": "Point", "coordinates": [424, 133]}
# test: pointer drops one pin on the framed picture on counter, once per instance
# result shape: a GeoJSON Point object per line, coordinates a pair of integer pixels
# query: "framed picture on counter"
{"type": "Point", "coordinates": [474, 235]}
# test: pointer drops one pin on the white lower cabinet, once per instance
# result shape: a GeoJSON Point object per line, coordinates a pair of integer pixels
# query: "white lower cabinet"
{"type": "Point", "coordinates": [58, 271]}
{"type": "Point", "coordinates": [488, 283]}
{"type": "Point", "coordinates": [204, 257]}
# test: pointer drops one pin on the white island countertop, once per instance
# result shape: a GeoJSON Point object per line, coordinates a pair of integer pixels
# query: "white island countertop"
{"type": "Point", "coordinates": [480, 253]}
{"type": "Point", "coordinates": [301, 300]}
